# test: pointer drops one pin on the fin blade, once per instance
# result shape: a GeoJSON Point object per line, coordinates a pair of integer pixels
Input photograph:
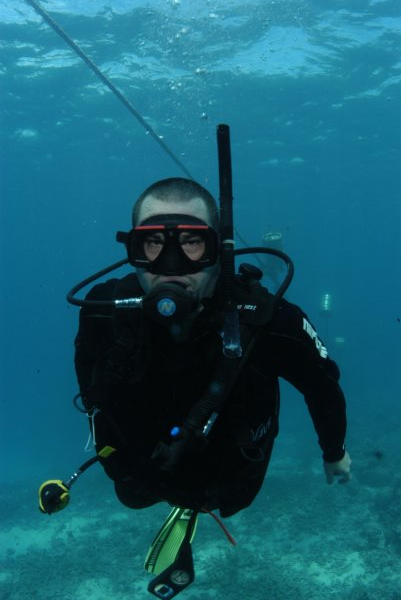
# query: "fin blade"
{"type": "Point", "coordinates": [166, 545]}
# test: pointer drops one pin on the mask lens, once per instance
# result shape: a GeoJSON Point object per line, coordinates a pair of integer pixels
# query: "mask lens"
{"type": "Point", "coordinates": [153, 244]}
{"type": "Point", "coordinates": [193, 245]}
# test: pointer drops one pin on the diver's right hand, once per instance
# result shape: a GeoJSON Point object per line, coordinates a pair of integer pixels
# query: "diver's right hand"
{"type": "Point", "coordinates": [54, 495]}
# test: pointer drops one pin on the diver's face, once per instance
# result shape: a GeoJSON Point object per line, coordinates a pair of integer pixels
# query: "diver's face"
{"type": "Point", "coordinates": [202, 283]}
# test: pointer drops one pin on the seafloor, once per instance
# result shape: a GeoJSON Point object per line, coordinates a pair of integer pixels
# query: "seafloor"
{"type": "Point", "coordinates": [300, 540]}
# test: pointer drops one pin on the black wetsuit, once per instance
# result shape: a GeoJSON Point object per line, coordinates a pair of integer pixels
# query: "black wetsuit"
{"type": "Point", "coordinates": [143, 384]}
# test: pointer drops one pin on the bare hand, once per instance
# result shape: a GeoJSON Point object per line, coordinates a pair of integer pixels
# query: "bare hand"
{"type": "Point", "coordinates": [341, 469]}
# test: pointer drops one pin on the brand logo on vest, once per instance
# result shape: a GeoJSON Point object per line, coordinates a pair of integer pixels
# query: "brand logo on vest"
{"type": "Point", "coordinates": [262, 429]}
{"type": "Point", "coordinates": [166, 307]}
{"type": "Point", "coordinates": [247, 307]}
{"type": "Point", "coordinates": [312, 334]}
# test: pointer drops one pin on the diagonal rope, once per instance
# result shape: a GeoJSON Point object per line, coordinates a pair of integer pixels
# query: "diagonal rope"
{"type": "Point", "coordinates": [52, 23]}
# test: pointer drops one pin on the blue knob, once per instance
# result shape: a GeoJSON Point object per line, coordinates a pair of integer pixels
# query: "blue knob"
{"type": "Point", "coordinates": [175, 431]}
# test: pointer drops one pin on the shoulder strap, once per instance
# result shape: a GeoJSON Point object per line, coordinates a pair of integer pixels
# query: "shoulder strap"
{"type": "Point", "coordinates": [104, 330]}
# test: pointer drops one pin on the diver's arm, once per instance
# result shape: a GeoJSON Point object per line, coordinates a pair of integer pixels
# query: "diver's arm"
{"type": "Point", "coordinates": [326, 404]}
{"type": "Point", "coordinates": [302, 360]}
{"type": "Point", "coordinates": [327, 408]}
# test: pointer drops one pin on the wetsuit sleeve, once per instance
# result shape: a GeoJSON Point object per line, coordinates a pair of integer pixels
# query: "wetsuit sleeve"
{"type": "Point", "coordinates": [302, 360]}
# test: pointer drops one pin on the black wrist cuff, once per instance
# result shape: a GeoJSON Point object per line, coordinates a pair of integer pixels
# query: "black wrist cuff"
{"type": "Point", "coordinates": [333, 455]}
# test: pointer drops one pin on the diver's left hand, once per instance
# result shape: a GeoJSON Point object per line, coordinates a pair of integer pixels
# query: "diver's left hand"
{"type": "Point", "coordinates": [341, 469]}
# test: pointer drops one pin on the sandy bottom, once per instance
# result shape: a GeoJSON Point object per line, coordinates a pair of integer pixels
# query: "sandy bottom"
{"type": "Point", "coordinates": [300, 540]}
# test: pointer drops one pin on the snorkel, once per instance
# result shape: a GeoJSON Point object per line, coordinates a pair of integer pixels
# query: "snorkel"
{"type": "Point", "coordinates": [230, 334]}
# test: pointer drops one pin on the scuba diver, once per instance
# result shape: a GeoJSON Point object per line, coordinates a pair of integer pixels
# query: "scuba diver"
{"type": "Point", "coordinates": [178, 364]}
{"type": "Point", "coordinates": [178, 412]}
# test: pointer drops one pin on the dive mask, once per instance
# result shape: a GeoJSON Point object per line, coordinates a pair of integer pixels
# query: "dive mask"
{"type": "Point", "coordinates": [171, 245]}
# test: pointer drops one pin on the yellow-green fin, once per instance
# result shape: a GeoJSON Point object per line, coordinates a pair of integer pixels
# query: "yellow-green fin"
{"type": "Point", "coordinates": [167, 542]}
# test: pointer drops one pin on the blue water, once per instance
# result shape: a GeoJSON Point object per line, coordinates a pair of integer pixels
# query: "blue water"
{"type": "Point", "coordinates": [312, 92]}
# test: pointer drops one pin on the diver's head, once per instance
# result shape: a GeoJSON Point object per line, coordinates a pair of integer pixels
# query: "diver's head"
{"type": "Point", "coordinates": [174, 237]}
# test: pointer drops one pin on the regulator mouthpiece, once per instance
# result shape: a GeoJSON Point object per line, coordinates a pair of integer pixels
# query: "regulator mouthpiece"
{"type": "Point", "coordinates": [170, 303]}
